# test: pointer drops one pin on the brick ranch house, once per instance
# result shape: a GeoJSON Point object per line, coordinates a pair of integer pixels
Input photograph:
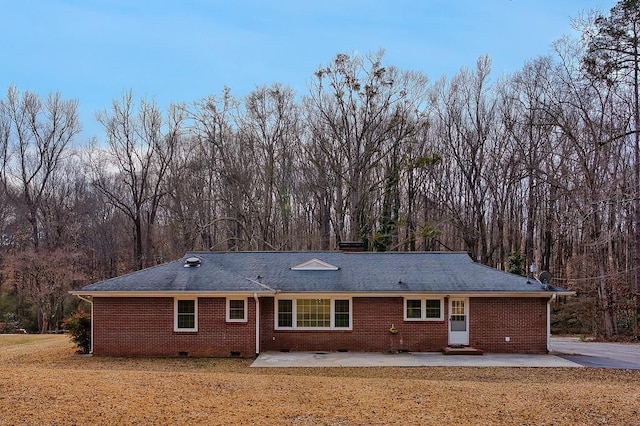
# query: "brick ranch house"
{"type": "Point", "coordinates": [244, 303]}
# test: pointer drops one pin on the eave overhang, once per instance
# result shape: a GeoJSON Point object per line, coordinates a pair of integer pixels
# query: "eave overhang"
{"type": "Point", "coordinates": [510, 294]}
{"type": "Point", "coordinates": [92, 294]}
{"type": "Point", "coordinates": [538, 294]}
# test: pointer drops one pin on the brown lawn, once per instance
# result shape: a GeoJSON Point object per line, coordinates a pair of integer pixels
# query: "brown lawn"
{"type": "Point", "coordinates": [42, 382]}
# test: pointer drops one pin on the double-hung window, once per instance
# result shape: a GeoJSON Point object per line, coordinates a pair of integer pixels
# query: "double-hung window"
{"type": "Point", "coordinates": [313, 314]}
{"type": "Point", "coordinates": [342, 313]}
{"type": "Point", "coordinates": [237, 310]}
{"type": "Point", "coordinates": [284, 319]}
{"type": "Point", "coordinates": [423, 309]}
{"type": "Point", "coordinates": [185, 315]}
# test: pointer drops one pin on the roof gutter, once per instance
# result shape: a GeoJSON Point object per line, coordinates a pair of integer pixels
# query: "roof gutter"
{"type": "Point", "coordinates": [172, 293]}
{"type": "Point", "coordinates": [269, 292]}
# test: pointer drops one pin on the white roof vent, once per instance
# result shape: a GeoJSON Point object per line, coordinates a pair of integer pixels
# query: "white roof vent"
{"type": "Point", "coordinates": [192, 262]}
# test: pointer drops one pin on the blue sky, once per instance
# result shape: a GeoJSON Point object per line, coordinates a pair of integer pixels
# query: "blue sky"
{"type": "Point", "coordinates": [184, 50]}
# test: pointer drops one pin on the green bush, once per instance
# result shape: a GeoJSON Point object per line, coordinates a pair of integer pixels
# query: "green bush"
{"type": "Point", "coordinates": [79, 326]}
{"type": "Point", "coordinates": [516, 260]}
{"type": "Point", "coordinates": [8, 323]}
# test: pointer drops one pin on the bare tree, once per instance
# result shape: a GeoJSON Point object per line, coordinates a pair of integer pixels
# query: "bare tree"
{"type": "Point", "coordinates": [586, 111]}
{"type": "Point", "coordinates": [532, 132]}
{"type": "Point", "coordinates": [613, 55]}
{"type": "Point", "coordinates": [35, 140]}
{"type": "Point", "coordinates": [355, 108]}
{"type": "Point", "coordinates": [131, 173]}
{"type": "Point", "coordinates": [270, 133]}
{"type": "Point", "coordinates": [226, 171]}
{"type": "Point", "coordinates": [466, 116]}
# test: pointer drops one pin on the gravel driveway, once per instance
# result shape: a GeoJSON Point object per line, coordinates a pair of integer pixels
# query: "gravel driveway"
{"type": "Point", "coordinates": [597, 354]}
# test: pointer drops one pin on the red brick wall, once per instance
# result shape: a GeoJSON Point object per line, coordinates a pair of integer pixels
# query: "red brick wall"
{"type": "Point", "coordinates": [144, 327]}
{"type": "Point", "coordinates": [372, 319]}
{"type": "Point", "coordinates": [523, 320]}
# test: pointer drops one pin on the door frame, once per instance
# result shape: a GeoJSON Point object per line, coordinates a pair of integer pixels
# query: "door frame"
{"type": "Point", "coordinates": [459, 337]}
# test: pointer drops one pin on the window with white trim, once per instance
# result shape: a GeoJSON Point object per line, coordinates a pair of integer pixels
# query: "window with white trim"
{"type": "Point", "coordinates": [342, 313]}
{"type": "Point", "coordinates": [423, 309]}
{"type": "Point", "coordinates": [185, 315]}
{"type": "Point", "coordinates": [313, 314]}
{"type": "Point", "coordinates": [413, 309]}
{"type": "Point", "coordinates": [236, 310]}
{"type": "Point", "coordinates": [285, 313]}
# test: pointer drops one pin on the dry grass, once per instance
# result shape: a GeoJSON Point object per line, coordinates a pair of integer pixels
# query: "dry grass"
{"type": "Point", "coordinates": [42, 382]}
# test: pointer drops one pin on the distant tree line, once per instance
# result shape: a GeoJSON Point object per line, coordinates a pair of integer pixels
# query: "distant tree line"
{"type": "Point", "coordinates": [538, 170]}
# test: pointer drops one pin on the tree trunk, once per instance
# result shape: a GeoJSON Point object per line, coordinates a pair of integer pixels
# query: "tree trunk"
{"type": "Point", "coordinates": [528, 244]}
{"type": "Point", "coordinates": [137, 235]}
{"type": "Point", "coordinates": [636, 175]}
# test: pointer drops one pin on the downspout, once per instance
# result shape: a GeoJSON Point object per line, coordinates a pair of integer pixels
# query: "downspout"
{"type": "Point", "coordinates": [90, 301]}
{"type": "Point", "coordinates": [551, 299]}
{"type": "Point", "coordinates": [255, 297]}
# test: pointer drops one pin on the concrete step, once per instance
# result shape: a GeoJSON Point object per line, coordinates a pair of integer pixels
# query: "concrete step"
{"type": "Point", "coordinates": [461, 350]}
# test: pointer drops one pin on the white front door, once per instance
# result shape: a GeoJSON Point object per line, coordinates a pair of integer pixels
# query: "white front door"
{"type": "Point", "coordinates": [458, 321]}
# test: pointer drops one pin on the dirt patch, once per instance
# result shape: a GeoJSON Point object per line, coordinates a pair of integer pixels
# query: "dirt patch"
{"type": "Point", "coordinates": [42, 381]}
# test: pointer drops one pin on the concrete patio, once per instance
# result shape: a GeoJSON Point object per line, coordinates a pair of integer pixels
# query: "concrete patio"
{"type": "Point", "coordinates": [413, 359]}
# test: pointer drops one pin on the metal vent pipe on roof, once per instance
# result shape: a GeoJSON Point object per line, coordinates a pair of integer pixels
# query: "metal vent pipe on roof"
{"type": "Point", "coordinates": [191, 262]}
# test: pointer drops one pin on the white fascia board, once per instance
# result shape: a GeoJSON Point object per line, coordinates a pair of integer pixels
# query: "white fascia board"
{"type": "Point", "coordinates": [280, 294]}
{"type": "Point", "coordinates": [168, 293]}
{"type": "Point", "coordinates": [510, 294]}
{"type": "Point", "coordinates": [312, 295]}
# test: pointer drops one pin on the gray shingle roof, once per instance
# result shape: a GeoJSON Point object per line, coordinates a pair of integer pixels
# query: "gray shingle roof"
{"type": "Point", "coordinates": [365, 272]}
